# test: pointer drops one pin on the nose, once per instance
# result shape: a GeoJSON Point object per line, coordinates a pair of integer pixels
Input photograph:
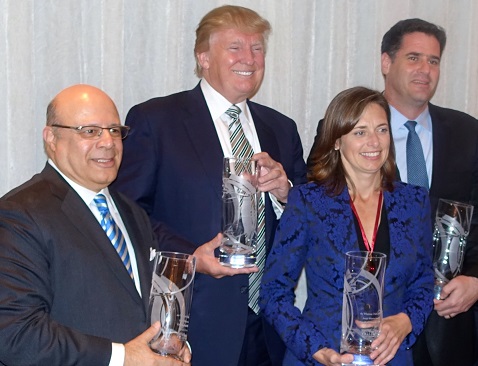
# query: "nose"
{"type": "Point", "coordinates": [373, 140]}
{"type": "Point", "coordinates": [424, 66]}
{"type": "Point", "coordinates": [247, 56]}
{"type": "Point", "coordinates": [105, 139]}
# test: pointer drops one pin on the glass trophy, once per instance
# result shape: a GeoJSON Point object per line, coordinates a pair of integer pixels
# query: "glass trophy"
{"type": "Point", "coordinates": [362, 304]}
{"type": "Point", "coordinates": [452, 226]}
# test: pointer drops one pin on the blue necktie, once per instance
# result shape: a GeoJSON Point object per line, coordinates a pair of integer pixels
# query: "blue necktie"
{"type": "Point", "coordinates": [113, 232]}
{"type": "Point", "coordinates": [416, 166]}
{"type": "Point", "coordinates": [241, 148]}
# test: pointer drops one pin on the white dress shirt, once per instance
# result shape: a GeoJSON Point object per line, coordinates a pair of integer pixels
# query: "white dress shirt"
{"type": "Point", "coordinates": [218, 105]}
{"type": "Point", "coordinates": [400, 134]}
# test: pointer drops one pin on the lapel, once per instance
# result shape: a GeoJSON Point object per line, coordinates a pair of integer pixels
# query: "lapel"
{"type": "Point", "coordinates": [345, 241]}
{"type": "Point", "coordinates": [265, 133]}
{"type": "Point", "coordinates": [141, 249]}
{"type": "Point", "coordinates": [79, 215]}
{"type": "Point", "coordinates": [442, 130]}
{"type": "Point", "coordinates": [203, 137]}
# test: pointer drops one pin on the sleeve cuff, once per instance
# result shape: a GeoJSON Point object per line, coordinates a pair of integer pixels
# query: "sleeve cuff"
{"type": "Point", "coordinates": [117, 354]}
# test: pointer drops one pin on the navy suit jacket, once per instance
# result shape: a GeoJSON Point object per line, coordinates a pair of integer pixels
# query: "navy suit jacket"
{"type": "Point", "coordinates": [65, 294]}
{"type": "Point", "coordinates": [172, 166]}
{"type": "Point", "coordinates": [316, 231]}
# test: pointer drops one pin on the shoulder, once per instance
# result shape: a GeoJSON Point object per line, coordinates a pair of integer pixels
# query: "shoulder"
{"type": "Point", "coordinates": [36, 192]}
{"type": "Point", "coordinates": [315, 194]}
{"type": "Point", "coordinates": [168, 105]}
{"type": "Point", "coordinates": [407, 197]}
{"type": "Point", "coordinates": [270, 116]}
{"type": "Point", "coordinates": [163, 103]}
{"type": "Point", "coordinates": [453, 115]}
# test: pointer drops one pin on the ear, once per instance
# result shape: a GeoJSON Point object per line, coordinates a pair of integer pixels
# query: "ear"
{"type": "Point", "coordinates": [386, 61]}
{"type": "Point", "coordinates": [49, 138]}
{"type": "Point", "coordinates": [203, 59]}
{"type": "Point", "coordinates": [337, 144]}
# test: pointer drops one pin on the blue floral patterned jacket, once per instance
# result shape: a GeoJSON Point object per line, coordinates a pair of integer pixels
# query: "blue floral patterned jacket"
{"type": "Point", "coordinates": [314, 233]}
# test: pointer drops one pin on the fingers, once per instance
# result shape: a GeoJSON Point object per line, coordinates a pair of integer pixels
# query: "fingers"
{"type": "Point", "coordinates": [214, 243]}
{"type": "Point", "coordinates": [149, 333]}
{"type": "Point", "coordinates": [207, 263]}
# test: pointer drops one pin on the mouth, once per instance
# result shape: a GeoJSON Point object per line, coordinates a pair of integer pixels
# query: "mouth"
{"type": "Point", "coordinates": [243, 73]}
{"type": "Point", "coordinates": [421, 82]}
{"type": "Point", "coordinates": [104, 161]}
{"type": "Point", "coordinates": [371, 154]}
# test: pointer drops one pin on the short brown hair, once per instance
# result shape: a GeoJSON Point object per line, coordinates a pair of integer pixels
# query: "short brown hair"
{"type": "Point", "coordinates": [224, 17]}
{"type": "Point", "coordinates": [341, 116]}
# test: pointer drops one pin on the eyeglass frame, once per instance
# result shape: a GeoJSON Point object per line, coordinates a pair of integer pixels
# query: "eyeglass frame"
{"type": "Point", "coordinates": [79, 129]}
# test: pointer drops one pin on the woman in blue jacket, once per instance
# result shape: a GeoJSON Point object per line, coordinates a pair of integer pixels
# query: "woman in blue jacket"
{"type": "Point", "coordinates": [352, 202]}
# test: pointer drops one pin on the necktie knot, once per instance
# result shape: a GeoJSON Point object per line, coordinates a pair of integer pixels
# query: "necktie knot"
{"type": "Point", "coordinates": [100, 201]}
{"type": "Point", "coordinates": [233, 112]}
{"type": "Point", "coordinates": [410, 125]}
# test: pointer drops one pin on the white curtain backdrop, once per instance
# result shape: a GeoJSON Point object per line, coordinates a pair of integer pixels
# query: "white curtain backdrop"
{"type": "Point", "coordinates": [138, 49]}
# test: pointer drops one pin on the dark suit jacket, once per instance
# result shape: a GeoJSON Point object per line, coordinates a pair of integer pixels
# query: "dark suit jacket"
{"type": "Point", "coordinates": [316, 230]}
{"type": "Point", "coordinates": [454, 177]}
{"type": "Point", "coordinates": [172, 166]}
{"type": "Point", "coordinates": [65, 295]}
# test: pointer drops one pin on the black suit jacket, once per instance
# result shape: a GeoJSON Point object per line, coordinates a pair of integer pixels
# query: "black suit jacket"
{"type": "Point", "coordinates": [172, 166]}
{"type": "Point", "coordinates": [65, 295]}
{"type": "Point", "coordinates": [454, 177]}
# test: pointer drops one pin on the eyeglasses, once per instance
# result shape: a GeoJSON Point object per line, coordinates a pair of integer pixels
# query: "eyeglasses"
{"type": "Point", "coordinates": [94, 132]}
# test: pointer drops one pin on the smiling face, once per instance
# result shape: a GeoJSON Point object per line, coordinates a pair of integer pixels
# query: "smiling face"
{"type": "Point", "coordinates": [91, 163]}
{"type": "Point", "coordinates": [234, 63]}
{"type": "Point", "coordinates": [365, 149]}
{"type": "Point", "coordinates": [411, 78]}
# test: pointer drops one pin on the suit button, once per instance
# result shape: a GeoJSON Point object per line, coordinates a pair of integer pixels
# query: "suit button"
{"type": "Point", "coordinates": [244, 289]}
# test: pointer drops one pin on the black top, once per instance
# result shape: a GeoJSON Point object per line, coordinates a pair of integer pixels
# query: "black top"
{"type": "Point", "coordinates": [382, 241]}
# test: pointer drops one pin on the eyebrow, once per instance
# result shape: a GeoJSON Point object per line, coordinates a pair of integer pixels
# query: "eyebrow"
{"type": "Point", "coordinates": [433, 57]}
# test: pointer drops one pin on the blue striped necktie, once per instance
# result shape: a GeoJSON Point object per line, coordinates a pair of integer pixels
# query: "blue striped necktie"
{"type": "Point", "coordinates": [241, 148]}
{"type": "Point", "coordinates": [416, 166]}
{"type": "Point", "coordinates": [113, 232]}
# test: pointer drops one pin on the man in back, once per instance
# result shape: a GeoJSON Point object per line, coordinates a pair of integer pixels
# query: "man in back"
{"type": "Point", "coordinates": [411, 55]}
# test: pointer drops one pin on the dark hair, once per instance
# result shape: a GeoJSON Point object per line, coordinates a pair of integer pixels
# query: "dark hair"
{"type": "Point", "coordinates": [228, 16]}
{"type": "Point", "coordinates": [341, 116]}
{"type": "Point", "coordinates": [392, 40]}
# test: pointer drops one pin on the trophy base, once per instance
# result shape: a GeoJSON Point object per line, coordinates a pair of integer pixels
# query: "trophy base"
{"type": "Point", "coordinates": [237, 260]}
{"type": "Point", "coordinates": [360, 360]}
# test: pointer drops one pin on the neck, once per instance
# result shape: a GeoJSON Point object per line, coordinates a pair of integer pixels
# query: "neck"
{"type": "Point", "coordinates": [365, 189]}
{"type": "Point", "coordinates": [410, 110]}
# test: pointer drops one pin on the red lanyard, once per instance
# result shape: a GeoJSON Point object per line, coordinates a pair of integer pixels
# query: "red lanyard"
{"type": "Point", "coordinates": [368, 245]}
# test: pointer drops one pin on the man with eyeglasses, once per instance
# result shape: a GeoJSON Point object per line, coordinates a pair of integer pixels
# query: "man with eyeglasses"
{"type": "Point", "coordinates": [66, 296]}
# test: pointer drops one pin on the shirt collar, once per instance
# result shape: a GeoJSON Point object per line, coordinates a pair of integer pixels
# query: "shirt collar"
{"type": "Point", "coordinates": [217, 104]}
{"type": "Point", "coordinates": [398, 120]}
{"type": "Point", "coordinates": [86, 195]}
